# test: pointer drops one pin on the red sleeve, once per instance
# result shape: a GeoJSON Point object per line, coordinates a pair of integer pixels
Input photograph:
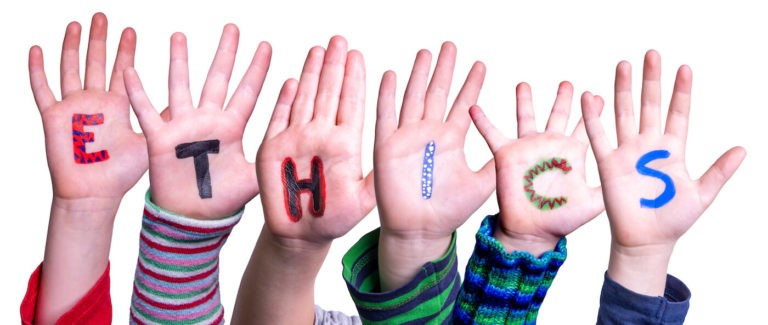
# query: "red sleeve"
{"type": "Point", "coordinates": [94, 308]}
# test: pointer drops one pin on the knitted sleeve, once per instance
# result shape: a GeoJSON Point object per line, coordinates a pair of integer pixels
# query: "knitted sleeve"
{"type": "Point", "coordinates": [428, 298]}
{"type": "Point", "coordinates": [505, 288]}
{"type": "Point", "coordinates": [177, 274]}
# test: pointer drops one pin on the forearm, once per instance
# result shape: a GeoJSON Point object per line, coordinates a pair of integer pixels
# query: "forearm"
{"type": "Point", "coordinates": [177, 274]}
{"type": "Point", "coordinates": [401, 257]}
{"type": "Point", "coordinates": [278, 285]}
{"type": "Point", "coordinates": [76, 253]}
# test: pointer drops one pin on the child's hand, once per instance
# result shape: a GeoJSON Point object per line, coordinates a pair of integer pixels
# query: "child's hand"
{"type": "Point", "coordinates": [94, 158]}
{"type": "Point", "coordinates": [540, 181]}
{"type": "Point", "coordinates": [424, 187]}
{"type": "Point", "coordinates": [93, 153]}
{"type": "Point", "coordinates": [309, 162]}
{"type": "Point", "coordinates": [197, 165]}
{"type": "Point", "coordinates": [650, 198]}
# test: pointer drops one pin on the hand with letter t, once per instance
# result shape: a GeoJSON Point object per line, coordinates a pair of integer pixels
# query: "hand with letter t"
{"type": "Point", "coordinates": [196, 163]}
{"type": "Point", "coordinates": [650, 199]}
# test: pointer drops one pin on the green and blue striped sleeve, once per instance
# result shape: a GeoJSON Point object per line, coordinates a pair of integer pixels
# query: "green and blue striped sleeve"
{"type": "Point", "coordinates": [427, 299]}
{"type": "Point", "coordinates": [505, 288]}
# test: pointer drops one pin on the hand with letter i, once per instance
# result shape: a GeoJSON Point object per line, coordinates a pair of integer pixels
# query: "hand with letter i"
{"type": "Point", "coordinates": [196, 163]}
{"type": "Point", "coordinates": [94, 157]}
{"type": "Point", "coordinates": [543, 196]}
{"type": "Point", "coordinates": [650, 199]}
{"type": "Point", "coordinates": [425, 190]}
{"type": "Point", "coordinates": [199, 183]}
{"type": "Point", "coordinates": [312, 186]}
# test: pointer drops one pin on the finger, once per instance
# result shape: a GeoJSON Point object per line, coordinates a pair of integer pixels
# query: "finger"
{"type": "Point", "coordinates": [352, 106]}
{"type": "Point", "coordinates": [44, 97]}
{"type": "Point", "coordinates": [126, 53]}
{"type": "Point", "coordinates": [179, 97]}
{"type": "Point", "coordinates": [332, 79]}
{"type": "Point", "coordinates": [680, 105]}
{"type": "Point", "coordinates": [597, 205]}
{"type": "Point", "coordinates": [217, 82]}
{"type": "Point", "coordinates": [281, 115]}
{"type": "Point", "coordinates": [368, 196]}
{"type": "Point", "coordinates": [580, 131]}
{"type": "Point", "coordinates": [470, 91]}
{"type": "Point", "coordinates": [650, 98]}
{"type": "Point", "coordinates": [719, 173]}
{"type": "Point", "coordinates": [386, 121]}
{"type": "Point", "coordinates": [561, 110]}
{"type": "Point", "coordinates": [440, 85]}
{"type": "Point", "coordinates": [96, 58]}
{"type": "Point", "coordinates": [493, 137]}
{"type": "Point", "coordinates": [413, 99]}
{"type": "Point", "coordinates": [244, 99]}
{"type": "Point", "coordinates": [485, 182]}
{"type": "Point", "coordinates": [591, 106]}
{"type": "Point", "coordinates": [623, 104]}
{"type": "Point", "coordinates": [146, 114]}
{"type": "Point", "coordinates": [70, 61]}
{"type": "Point", "coordinates": [303, 105]}
{"type": "Point", "coordinates": [526, 119]}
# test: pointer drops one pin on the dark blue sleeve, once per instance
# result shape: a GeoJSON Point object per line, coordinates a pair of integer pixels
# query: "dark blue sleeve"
{"type": "Point", "coordinates": [619, 305]}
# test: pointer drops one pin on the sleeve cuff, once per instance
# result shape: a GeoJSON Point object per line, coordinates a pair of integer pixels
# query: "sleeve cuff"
{"type": "Point", "coordinates": [619, 305]}
{"type": "Point", "coordinates": [95, 307]}
{"type": "Point", "coordinates": [427, 298]}
{"type": "Point", "coordinates": [177, 273]}
{"type": "Point", "coordinates": [502, 287]}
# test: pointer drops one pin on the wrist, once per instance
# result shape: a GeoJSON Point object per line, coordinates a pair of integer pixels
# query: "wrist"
{"type": "Point", "coordinates": [642, 269]}
{"type": "Point", "coordinates": [401, 256]}
{"type": "Point", "coordinates": [85, 214]}
{"type": "Point", "coordinates": [535, 244]}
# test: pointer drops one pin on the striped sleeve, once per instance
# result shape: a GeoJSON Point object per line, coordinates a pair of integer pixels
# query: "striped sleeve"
{"type": "Point", "coordinates": [427, 299]}
{"type": "Point", "coordinates": [505, 288]}
{"type": "Point", "coordinates": [177, 274]}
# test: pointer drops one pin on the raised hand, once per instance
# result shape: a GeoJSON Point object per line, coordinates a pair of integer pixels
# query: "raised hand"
{"type": "Point", "coordinates": [540, 181]}
{"type": "Point", "coordinates": [649, 196]}
{"type": "Point", "coordinates": [94, 158]}
{"type": "Point", "coordinates": [92, 150]}
{"type": "Point", "coordinates": [309, 162]}
{"type": "Point", "coordinates": [312, 187]}
{"type": "Point", "coordinates": [197, 165]}
{"type": "Point", "coordinates": [424, 187]}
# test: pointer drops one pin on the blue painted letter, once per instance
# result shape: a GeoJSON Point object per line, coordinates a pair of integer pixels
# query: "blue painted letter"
{"type": "Point", "coordinates": [669, 186]}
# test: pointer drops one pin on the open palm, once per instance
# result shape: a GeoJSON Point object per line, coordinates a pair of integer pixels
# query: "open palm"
{"type": "Point", "coordinates": [178, 181]}
{"type": "Point", "coordinates": [319, 119]}
{"type": "Point", "coordinates": [435, 194]}
{"type": "Point", "coordinates": [664, 214]}
{"type": "Point", "coordinates": [541, 183]}
{"type": "Point", "coordinates": [125, 159]}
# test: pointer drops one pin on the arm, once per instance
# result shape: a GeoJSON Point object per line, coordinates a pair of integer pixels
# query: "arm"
{"type": "Point", "coordinates": [420, 170]}
{"type": "Point", "coordinates": [543, 196]}
{"type": "Point", "coordinates": [88, 184]}
{"type": "Point", "coordinates": [313, 189]}
{"type": "Point", "coordinates": [649, 197]}
{"type": "Point", "coordinates": [199, 183]}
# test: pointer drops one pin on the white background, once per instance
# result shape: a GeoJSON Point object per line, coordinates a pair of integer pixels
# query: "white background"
{"type": "Point", "coordinates": [541, 43]}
